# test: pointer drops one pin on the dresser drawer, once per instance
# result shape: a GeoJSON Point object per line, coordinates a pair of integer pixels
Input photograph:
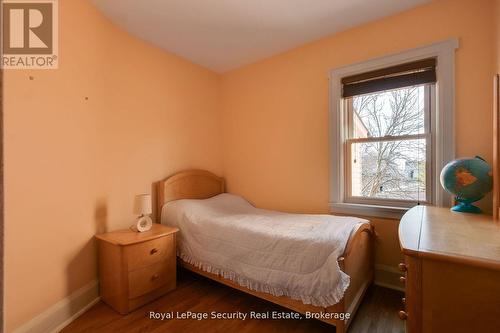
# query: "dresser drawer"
{"type": "Point", "coordinates": [147, 279]}
{"type": "Point", "coordinates": [412, 308]}
{"type": "Point", "coordinates": [147, 253]}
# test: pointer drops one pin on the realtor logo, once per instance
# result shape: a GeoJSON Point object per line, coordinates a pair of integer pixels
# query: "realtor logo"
{"type": "Point", "coordinates": [29, 37]}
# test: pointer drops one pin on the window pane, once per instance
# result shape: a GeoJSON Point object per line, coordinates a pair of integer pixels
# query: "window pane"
{"type": "Point", "coordinates": [389, 113]}
{"type": "Point", "coordinates": [389, 170]}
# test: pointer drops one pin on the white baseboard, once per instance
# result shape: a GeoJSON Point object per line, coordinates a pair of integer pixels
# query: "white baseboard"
{"type": "Point", "coordinates": [388, 277]}
{"type": "Point", "coordinates": [387, 268]}
{"type": "Point", "coordinates": [63, 312]}
{"type": "Point", "coordinates": [389, 286]}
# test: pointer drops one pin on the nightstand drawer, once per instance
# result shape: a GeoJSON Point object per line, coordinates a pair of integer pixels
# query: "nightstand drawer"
{"type": "Point", "coordinates": [147, 279]}
{"type": "Point", "coordinates": [147, 253]}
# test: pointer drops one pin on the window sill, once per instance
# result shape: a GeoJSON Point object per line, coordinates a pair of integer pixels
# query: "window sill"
{"type": "Point", "coordinates": [368, 210]}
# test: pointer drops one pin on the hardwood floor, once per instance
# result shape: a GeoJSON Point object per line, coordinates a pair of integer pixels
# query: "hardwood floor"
{"type": "Point", "coordinates": [377, 313]}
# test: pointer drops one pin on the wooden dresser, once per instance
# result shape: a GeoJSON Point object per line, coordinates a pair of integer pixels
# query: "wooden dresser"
{"type": "Point", "coordinates": [451, 271]}
{"type": "Point", "coordinates": [135, 268]}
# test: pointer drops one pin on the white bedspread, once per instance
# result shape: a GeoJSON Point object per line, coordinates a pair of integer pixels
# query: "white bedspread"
{"type": "Point", "coordinates": [278, 253]}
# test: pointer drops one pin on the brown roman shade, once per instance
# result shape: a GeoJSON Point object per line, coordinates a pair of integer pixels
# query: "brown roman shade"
{"type": "Point", "coordinates": [399, 76]}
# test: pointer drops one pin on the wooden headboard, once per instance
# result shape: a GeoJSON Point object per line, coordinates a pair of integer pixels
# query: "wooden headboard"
{"type": "Point", "coordinates": [189, 184]}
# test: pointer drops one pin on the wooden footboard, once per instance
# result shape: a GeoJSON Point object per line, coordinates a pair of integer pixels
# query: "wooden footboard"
{"type": "Point", "coordinates": [356, 260]}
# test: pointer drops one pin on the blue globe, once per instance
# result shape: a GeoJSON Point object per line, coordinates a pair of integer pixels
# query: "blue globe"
{"type": "Point", "coordinates": [469, 179]}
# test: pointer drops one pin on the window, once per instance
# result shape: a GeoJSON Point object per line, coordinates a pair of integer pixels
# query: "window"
{"type": "Point", "coordinates": [388, 148]}
{"type": "Point", "coordinates": [392, 131]}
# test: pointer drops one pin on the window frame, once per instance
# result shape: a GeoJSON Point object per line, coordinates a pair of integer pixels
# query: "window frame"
{"type": "Point", "coordinates": [442, 129]}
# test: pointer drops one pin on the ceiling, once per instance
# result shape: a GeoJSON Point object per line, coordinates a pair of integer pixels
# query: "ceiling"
{"type": "Point", "coordinates": [226, 34]}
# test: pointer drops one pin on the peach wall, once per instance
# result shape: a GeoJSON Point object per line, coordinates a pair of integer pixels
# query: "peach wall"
{"type": "Point", "coordinates": [275, 112]}
{"type": "Point", "coordinates": [72, 165]}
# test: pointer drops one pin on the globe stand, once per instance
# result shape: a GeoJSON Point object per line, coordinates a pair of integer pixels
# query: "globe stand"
{"type": "Point", "coordinates": [465, 207]}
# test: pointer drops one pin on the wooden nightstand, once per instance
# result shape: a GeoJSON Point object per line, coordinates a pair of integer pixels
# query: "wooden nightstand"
{"type": "Point", "coordinates": [135, 268]}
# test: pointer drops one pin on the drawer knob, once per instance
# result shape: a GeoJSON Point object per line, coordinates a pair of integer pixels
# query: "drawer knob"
{"type": "Point", "coordinates": [153, 251]}
{"type": "Point", "coordinates": [154, 277]}
{"type": "Point", "coordinates": [403, 300]}
{"type": "Point", "coordinates": [402, 315]}
{"type": "Point", "coordinates": [402, 267]}
{"type": "Point", "coordinates": [402, 279]}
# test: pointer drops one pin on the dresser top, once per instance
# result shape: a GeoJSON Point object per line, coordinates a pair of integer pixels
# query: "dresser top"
{"type": "Point", "coordinates": [439, 233]}
{"type": "Point", "coordinates": [128, 236]}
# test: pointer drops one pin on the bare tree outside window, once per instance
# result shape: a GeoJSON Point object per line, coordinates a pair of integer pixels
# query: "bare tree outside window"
{"type": "Point", "coordinates": [387, 145]}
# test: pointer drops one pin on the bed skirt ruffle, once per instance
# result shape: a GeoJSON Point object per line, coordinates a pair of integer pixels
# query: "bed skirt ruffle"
{"type": "Point", "coordinates": [329, 299]}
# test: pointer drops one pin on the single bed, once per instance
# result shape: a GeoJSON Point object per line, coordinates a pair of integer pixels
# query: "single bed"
{"type": "Point", "coordinates": [355, 260]}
